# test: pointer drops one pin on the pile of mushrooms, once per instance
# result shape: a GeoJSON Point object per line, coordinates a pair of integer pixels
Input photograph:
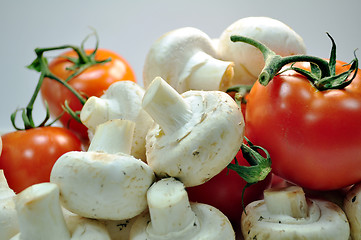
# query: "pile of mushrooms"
{"type": "Point", "coordinates": [148, 145]}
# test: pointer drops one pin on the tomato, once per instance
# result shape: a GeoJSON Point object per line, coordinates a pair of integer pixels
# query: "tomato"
{"type": "Point", "coordinates": [312, 136]}
{"type": "Point", "coordinates": [91, 82]}
{"type": "Point", "coordinates": [28, 155]}
{"type": "Point", "coordinates": [224, 191]}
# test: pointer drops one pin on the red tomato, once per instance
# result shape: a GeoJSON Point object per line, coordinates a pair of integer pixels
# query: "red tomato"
{"type": "Point", "coordinates": [224, 191]}
{"type": "Point", "coordinates": [312, 136]}
{"type": "Point", "coordinates": [92, 82]}
{"type": "Point", "coordinates": [29, 155]}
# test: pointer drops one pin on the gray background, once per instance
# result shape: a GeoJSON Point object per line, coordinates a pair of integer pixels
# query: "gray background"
{"type": "Point", "coordinates": [130, 27]}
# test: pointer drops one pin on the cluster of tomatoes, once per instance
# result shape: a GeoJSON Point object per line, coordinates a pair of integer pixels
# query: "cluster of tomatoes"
{"type": "Point", "coordinates": [313, 136]}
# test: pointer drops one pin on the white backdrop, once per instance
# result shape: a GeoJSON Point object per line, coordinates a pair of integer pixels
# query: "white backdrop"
{"type": "Point", "coordinates": [130, 27]}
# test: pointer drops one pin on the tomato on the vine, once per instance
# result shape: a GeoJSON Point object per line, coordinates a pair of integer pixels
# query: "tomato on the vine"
{"type": "Point", "coordinates": [28, 155]}
{"type": "Point", "coordinates": [309, 121]}
{"type": "Point", "coordinates": [93, 81]}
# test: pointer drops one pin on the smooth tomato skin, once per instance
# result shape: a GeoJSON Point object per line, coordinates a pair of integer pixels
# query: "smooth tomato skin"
{"type": "Point", "coordinates": [313, 137]}
{"type": "Point", "coordinates": [224, 191]}
{"type": "Point", "coordinates": [29, 155]}
{"type": "Point", "coordinates": [92, 82]}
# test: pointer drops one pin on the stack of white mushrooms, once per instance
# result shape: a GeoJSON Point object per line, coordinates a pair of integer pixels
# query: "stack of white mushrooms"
{"type": "Point", "coordinates": [149, 144]}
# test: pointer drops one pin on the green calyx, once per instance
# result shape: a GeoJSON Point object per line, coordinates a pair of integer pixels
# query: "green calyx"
{"type": "Point", "coordinates": [40, 64]}
{"type": "Point", "coordinates": [241, 92]}
{"type": "Point", "coordinates": [322, 74]}
{"type": "Point", "coordinates": [259, 167]}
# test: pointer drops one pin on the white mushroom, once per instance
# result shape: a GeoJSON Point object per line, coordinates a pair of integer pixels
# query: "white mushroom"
{"type": "Point", "coordinates": [288, 214]}
{"type": "Point", "coordinates": [352, 207]}
{"type": "Point", "coordinates": [8, 217]}
{"type": "Point", "coordinates": [105, 182]}
{"type": "Point", "coordinates": [248, 60]}
{"type": "Point", "coordinates": [122, 100]}
{"type": "Point", "coordinates": [197, 133]}
{"type": "Point", "coordinates": [39, 213]}
{"type": "Point", "coordinates": [172, 217]}
{"type": "Point", "coordinates": [185, 58]}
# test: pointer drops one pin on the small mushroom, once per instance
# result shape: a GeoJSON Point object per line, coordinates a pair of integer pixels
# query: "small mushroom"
{"type": "Point", "coordinates": [105, 182]}
{"type": "Point", "coordinates": [8, 217]}
{"type": "Point", "coordinates": [122, 100]}
{"type": "Point", "coordinates": [39, 213]}
{"type": "Point", "coordinates": [185, 58]}
{"type": "Point", "coordinates": [248, 60]}
{"type": "Point", "coordinates": [352, 207]}
{"type": "Point", "coordinates": [172, 217]}
{"type": "Point", "coordinates": [287, 214]}
{"type": "Point", "coordinates": [197, 133]}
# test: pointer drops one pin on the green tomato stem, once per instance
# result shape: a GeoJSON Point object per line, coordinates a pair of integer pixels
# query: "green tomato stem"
{"type": "Point", "coordinates": [274, 62]}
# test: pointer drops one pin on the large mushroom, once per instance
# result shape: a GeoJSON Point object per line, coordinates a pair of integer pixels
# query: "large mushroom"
{"type": "Point", "coordinates": [197, 133]}
{"type": "Point", "coordinates": [185, 58]}
{"type": "Point", "coordinates": [172, 217]}
{"type": "Point", "coordinates": [287, 214]}
{"type": "Point", "coordinates": [105, 182]}
{"type": "Point", "coordinates": [248, 60]}
{"type": "Point", "coordinates": [122, 100]}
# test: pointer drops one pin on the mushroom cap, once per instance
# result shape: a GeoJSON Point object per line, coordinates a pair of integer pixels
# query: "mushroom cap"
{"type": "Point", "coordinates": [168, 55]}
{"type": "Point", "coordinates": [248, 59]}
{"type": "Point", "coordinates": [122, 100]}
{"type": "Point", "coordinates": [352, 207]}
{"type": "Point", "coordinates": [102, 186]}
{"type": "Point", "coordinates": [214, 225]}
{"type": "Point", "coordinates": [202, 147]}
{"type": "Point", "coordinates": [325, 221]}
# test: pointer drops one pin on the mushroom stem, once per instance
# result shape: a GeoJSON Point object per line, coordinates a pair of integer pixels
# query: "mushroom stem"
{"type": "Point", "coordinates": [169, 208]}
{"type": "Point", "coordinates": [204, 72]}
{"type": "Point", "coordinates": [166, 106]}
{"type": "Point", "coordinates": [113, 136]}
{"type": "Point", "coordinates": [94, 112]}
{"type": "Point", "coordinates": [39, 213]}
{"type": "Point", "coordinates": [290, 201]}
